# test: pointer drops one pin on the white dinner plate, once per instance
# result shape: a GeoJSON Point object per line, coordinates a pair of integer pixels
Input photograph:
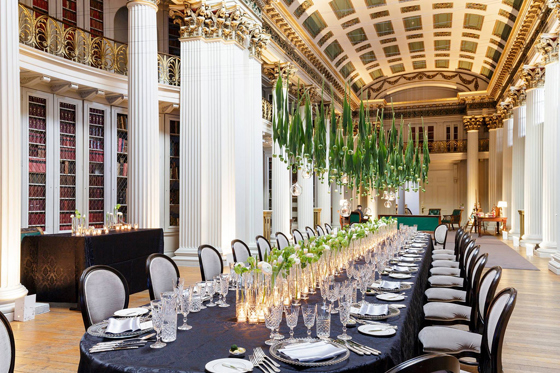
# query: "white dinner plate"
{"type": "Point", "coordinates": [390, 297]}
{"type": "Point", "coordinates": [376, 330]}
{"type": "Point", "coordinates": [399, 275]}
{"type": "Point", "coordinates": [216, 366]}
{"type": "Point", "coordinates": [131, 312]}
{"type": "Point", "coordinates": [403, 264]}
{"type": "Point", "coordinates": [412, 256]}
{"type": "Point", "coordinates": [417, 245]}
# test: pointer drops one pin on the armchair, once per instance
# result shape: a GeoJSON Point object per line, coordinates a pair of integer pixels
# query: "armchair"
{"type": "Point", "coordinates": [454, 218]}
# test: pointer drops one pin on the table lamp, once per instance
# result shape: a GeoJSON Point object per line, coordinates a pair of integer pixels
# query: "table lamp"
{"type": "Point", "coordinates": [501, 205]}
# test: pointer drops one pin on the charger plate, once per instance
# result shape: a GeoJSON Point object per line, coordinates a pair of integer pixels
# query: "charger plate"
{"type": "Point", "coordinates": [100, 330]}
{"type": "Point", "coordinates": [286, 359]}
{"type": "Point", "coordinates": [392, 313]}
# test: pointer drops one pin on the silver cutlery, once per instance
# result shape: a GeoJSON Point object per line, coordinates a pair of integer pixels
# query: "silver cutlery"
{"type": "Point", "coordinates": [257, 364]}
{"type": "Point", "coordinates": [260, 351]}
{"type": "Point", "coordinates": [234, 367]}
{"type": "Point", "coordinates": [260, 359]}
{"type": "Point", "coordinates": [113, 348]}
{"type": "Point", "coordinates": [129, 340]}
{"type": "Point", "coordinates": [354, 349]}
{"type": "Point", "coordinates": [367, 348]}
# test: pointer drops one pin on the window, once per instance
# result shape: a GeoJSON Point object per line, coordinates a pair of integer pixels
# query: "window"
{"type": "Point", "coordinates": [374, 3]}
{"type": "Point", "coordinates": [412, 23]}
{"type": "Point", "coordinates": [398, 68]}
{"type": "Point", "coordinates": [486, 72]}
{"type": "Point", "coordinates": [502, 30]}
{"type": "Point", "coordinates": [384, 28]}
{"type": "Point", "coordinates": [368, 57]}
{"type": "Point", "coordinates": [443, 20]}
{"type": "Point", "coordinates": [357, 36]}
{"type": "Point", "coordinates": [442, 45]}
{"type": "Point", "coordinates": [347, 69]}
{"type": "Point", "coordinates": [468, 46]}
{"type": "Point", "coordinates": [342, 8]}
{"type": "Point", "coordinates": [473, 21]}
{"type": "Point", "coordinates": [442, 64]}
{"type": "Point", "coordinates": [333, 50]}
{"type": "Point", "coordinates": [420, 130]}
{"type": "Point", "coordinates": [314, 24]}
{"type": "Point", "coordinates": [391, 50]}
{"type": "Point", "coordinates": [417, 46]}
{"type": "Point", "coordinates": [493, 54]}
{"type": "Point", "coordinates": [418, 65]}
{"type": "Point", "coordinates": [465, 65]}
{"type": "Point", "coordinates": [376, 74]}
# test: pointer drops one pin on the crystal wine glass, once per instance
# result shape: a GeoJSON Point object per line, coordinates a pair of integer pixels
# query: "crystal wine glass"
{"type": "Point", "coordinates": [218, 289]}
{"type": "Point", "coordinates": [279, 311]}
{"type": "Point", "coordinates": [224, 286]}
{"type": "Point", "coordinates": [333, 294]}
{"type": "Point", "coordinates": [292, 313]}
{"type": "Point", "coordinates": [364, 283]}
{"type": "Point", "coordinates": [185, 299]}
{"type": "Point", "coordinates": [210, 289]}
{"type": "Point", "coordinates": [202, 291]}
{"type": "Point", "coordinates": [309, 313]}
{"type": "Point", "coordinates": [272, 321]}
{"type": "Point", "coordinates": [157, 321]}
{"type": "Point", "coordinates": [324, 322]}
{"type": "Point", "coordinates": [323, 286]}
{"type": "Point", "coordinates": [344, 313]}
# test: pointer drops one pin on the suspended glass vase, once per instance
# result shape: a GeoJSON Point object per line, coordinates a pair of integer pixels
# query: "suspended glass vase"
{"type": "Point", "coordinates": [296, 190]}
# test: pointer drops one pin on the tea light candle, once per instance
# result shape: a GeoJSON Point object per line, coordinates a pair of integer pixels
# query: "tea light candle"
{"type": "Point", "coordinates": [106, 230]}
{"type": "Point", "coordinates": [135, 225]}
{"type": "Point", "coordinates": [117, 228]}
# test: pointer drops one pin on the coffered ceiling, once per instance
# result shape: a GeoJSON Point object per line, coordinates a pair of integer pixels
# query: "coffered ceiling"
{"type": "Point", "coordinates": [392, 45]}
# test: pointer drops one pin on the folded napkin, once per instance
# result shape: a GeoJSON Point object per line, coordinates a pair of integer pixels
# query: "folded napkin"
{"type": "Point", "coordinates": [371, 310]}
{"type": "Point", "coordinates": [407, 259]}
{"type": "Point", "coordinates": [313, 351]}
{"type": "Point", "coordinates": [390, 285]}
{"type": "Point", "coordinates": [123, 325]}
{"type": "Point", "coordinates": [401, 269]}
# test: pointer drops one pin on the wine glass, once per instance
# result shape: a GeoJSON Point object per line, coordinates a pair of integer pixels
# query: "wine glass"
{"type": "Point", "coordinates": [344, 313]}
{"type": "Point", "coordinates": [279, 311]}
{"type": "Point", "coordinates": [292, 313]}
{"type": "Point", "coordinates": [272, 321]}
{"type": "Point", "coordinates": [185, 299]}
{"type": "Point", "coordinates": [323, 286]}
{"type": "Point", "coordinates": [224, 287]}
{"type": "Point", "coordinates": [309, 313]}
{"type": "Point", "coordinates": [202, 291]}
{"type": "Point", "coordinates": [210, 289]}
{"type": "Point", "coordinates": [364, 283]}
{"type": "Point", "coordinates": [157, 321]}
{"type": "Point", "coordinates": [333, 294]}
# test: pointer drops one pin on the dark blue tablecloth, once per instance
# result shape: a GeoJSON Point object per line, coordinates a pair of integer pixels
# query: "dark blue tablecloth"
{"type": "Point", "coordinates": [215, 330]}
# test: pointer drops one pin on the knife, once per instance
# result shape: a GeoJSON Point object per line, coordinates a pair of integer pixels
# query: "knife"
{"type": "Point", "coordinates": [115, 348]}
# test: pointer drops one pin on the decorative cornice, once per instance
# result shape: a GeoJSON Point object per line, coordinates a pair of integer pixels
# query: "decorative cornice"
{"type": "Point", "coordinates": [517, 95]}
{"type": "Point", "coordinates": [284, 69]}
{"type": "Point", "coordinates": [554, 5]}
{"type": "Point", "coordinates": [493, 121]}
{"type": "Point", "coordinates": [220, 22]}
{"type": "Point", "coordinates": [533, 76]}
{"type": "Point", "coordinates": [547, 46]}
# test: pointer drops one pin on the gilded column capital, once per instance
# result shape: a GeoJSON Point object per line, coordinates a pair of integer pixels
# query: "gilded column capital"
{"type": "Point", "coordinates": [533, 76]}
{"type": "Point", "coordinates": [473, 122]}
{"type": "Point", "coordinates": [505, 109]}
{"type": "Point", "coordinates": [518, 95]}
{"type": "Point", "coordinates": [547, 46]}
{"type": "Point", "coordinates": [152, 3]}
{"type": "Point", "coordinates": [493, 121]}
{"type": "Point", "coordinates": [284, 69]}
{"type": "Point", "coordinates": [554, 5]}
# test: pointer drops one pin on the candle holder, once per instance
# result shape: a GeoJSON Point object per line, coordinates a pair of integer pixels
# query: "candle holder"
{"type": "Point", "coordinates": [240, 312]}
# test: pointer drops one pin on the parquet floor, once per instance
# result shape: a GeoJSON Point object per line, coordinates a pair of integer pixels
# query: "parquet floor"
{"type": "Point", "coordinates": [50, 342]}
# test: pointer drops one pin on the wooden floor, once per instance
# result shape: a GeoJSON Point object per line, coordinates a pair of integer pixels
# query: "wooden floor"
{"type": "Point", "coordinates": [50, 342]}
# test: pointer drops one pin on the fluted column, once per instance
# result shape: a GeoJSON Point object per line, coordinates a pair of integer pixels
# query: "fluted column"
{"type": "Point", "coordinates": [143, 114]}
{"type": "Point", "coordinates": [494, 160]}
{"type": "Point", "coordinates": [281, 197]}
{"type": "Point", "coordinates": [507, 144]}
{"type": "Point", "coordinates": [10, 159]}
{"type": "Point", "coordinates": [549, 47]}
{"type": "Point", "coordinates": [472, 126]}
{"type": "Point", "coordinates": [534, 78]}
{"type": "Point", "coordinates": [324, 188]}
{"type": "Point", "coordinates": [337, 194]}
{"type": "Point", "coordinates": [372, 204]}
{"type": "Point", "coordinates": [518, 156]}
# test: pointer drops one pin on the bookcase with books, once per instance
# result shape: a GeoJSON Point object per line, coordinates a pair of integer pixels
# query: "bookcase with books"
{"type": "Point", "coordinates": [69, 12]}
{"type": "Point", "coordinates": [37, 193]}
{"type": "Point", "coordinates": [174, 129]}
{"type": "Point", "coordinates": [96, 17]}
{"type": "Point", "coordinates": [67, 144]}
{"type": "Point", "coordinates": [41, 5]}
{"type": "Point", "coordinates": [96, 120]}
{"type": "Point", "coordinates": [122, 163]}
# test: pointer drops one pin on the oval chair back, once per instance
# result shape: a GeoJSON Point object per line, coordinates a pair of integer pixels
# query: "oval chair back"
{"type": "Point", "coordinates": [320, 230]}
{"type": "Point", "coordinates": [8, 346]}
{"type": "Point", "coordinates": [281, 241]}
{"type": "Point", "coordinates": [497, 320]}
{"type": "Point", "coordinates": [162, 273]}
{"type": "Point", "coordinates": [298, 236]}
{"type": "Point", "coordinates": [103, 290]}
{"type": "Point", "coordinates": [263, 247]}
{"type": "Point", "coordinates": [463, 256]}
{"type": "Point", "coordinates": [458, 236]}
{"type": "Point", "coordinates": [440, 234]}
{"type": "Point", "coordinates": [240, 251]}
{"type": "Point", "coordinates": [328, 228]}
{"type": "Point", "coordinates": [470, 259]}
{"type": "Point", "coordinates": [310, 232]}
{"type": "Point", "coordinates": [472, 281]}
{"type": "Point", "coordinates": [210, 260]}
{"type": "Point", "coordinates": [428, 364]}
{"type": "Point", "coordinates": [485, 295]}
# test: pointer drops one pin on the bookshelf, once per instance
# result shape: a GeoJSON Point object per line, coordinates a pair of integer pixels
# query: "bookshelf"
{"type": "Point", "coordinates": [174, 128]}
{"type": "Point", "coordinates": [96, 17]}
{"type": "Point", "coordinates": [122, 163]}
{"type": "Point", "coordinates": [174, 34]}
{"type": "Point", "coordinates": [96, 122]}
{"type": "Point", "coordinates": [41, 5]}
{"type": "Point", "coordinates": [69, 12]}
{"type": "Point", "coordinates": [37, 162]}
{"type": "Point", "coordinates": [67, 159]}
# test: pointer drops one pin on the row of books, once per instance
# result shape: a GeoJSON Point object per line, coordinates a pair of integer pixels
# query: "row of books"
{"type": "Point", "coordinates": [38, 165]}
{"type": "Point", "coordinates": [37, 219]}
{"type": "Point", "coordinates": [36, 205]}
{"type": "Point", "coordinates": [122, 168]}
{"type": "Point", "coordinates": [36, 191]}
{"type": "Point", "coordinates": [174, 172]}
{"type": "Point", "coordinates": [122, 122]}
{"type": "Point", "coordinates": [68, 154]}
{"type": "Point", "coordinates": [96, 155]}
{"type": "Point", "coordinates": [38, 151]}
{"type": "Point", "coordinates": [96, 144]}
{"type": "Point", "coordinates": [122, 145]}
{"type": "Point", "coordinates": [67, 205]}
{"type": "Point", "coordinates": [96, 205]}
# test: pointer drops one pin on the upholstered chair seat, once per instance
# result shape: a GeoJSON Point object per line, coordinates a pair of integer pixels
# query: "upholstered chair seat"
{"type": "Point", "coordinates": [445, 263]}
{"type": "Point", "coordinates": [444, 251]}
{"type": "Point", "coordinates": [281, 241]}
{"type": "Point", "coordinates": [446, 295]}
{"type": "Point", "coordinates": [210, 260]}
{"type": "Point", "coordinates": [449, 340]}
{"type": "Point", "coordinates": [240, 251]}
{"type": "Point", "coordinates": [444, 257]}
{"type": "Point", "coordinates": [446, 281]}
{"type": "Point", "coordinates": [445, 271]}
{"type": "Point", "coordinates": [436, 311]}
{"type": "Point", "coordinates": [7, 346]}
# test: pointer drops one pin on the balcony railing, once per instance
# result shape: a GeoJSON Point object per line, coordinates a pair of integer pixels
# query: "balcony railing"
{"type": "Point", "coordinates": [58, 38]}
{"type": "Point", "coordinates": [483, 145]}
{"type": "Point", "coordinates": [448, 146]}
{"type": "Point", "coordinates": [266, 110]}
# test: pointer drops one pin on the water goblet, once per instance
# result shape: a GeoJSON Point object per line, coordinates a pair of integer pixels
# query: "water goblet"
{"type": "Point", "coordinates": [185, 299]}
{"type": "Point", "coordinates": [210, 289]}
{"type": "Point", "coordinates": [292, 313]}
{"type": "Point", "coordinates": [202, 287]}
{"type": "Point", "coordinates": [364, 283]}
{"type": "Point", "coordinates": [324, 322]}
{"type": "Point", "coordinates": [344, 313]}
{"type": "Point", "coordinates": [272, 321]}
{"type": "Point", "coordinates": [333, 294]}
{"type": "Point", "coordinates": [157, 321]}
{"type": "Point", "coordinates": [309, 313]}
{"type": "Point", "coordinates": [224, 287]}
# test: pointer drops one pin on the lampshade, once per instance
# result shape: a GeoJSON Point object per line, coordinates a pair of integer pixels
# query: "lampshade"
{"type": "Point", "coordinates": [502, 204]}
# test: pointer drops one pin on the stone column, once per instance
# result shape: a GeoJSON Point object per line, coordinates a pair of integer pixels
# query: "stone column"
{"type": "Point", "coordinates": [534, 79]}
{"type": "Point", "coordinates": [337, 193]}
{"type": "Point", "coordinates": [221, 144]}
{"type": "Point", "coordinates": [143, 113]}
{"type": "Point", "coordinates": [549, 50]}
{"type": "Point", "coordinates": [472, 126]}
{"type": "Point", "coordinates": [305, 199]}
{"type": "Point", "coordinates": [324, 188]}
{"type": "Point", "coordinates": [507, 144]}
{"type": "Point", "coordinates": [10, 159]}
{"type": "Point", "coordinates": [518, 154]}
{"type": "Point", "coordinates": [494, 124]}
{"type": "Point", "coordinates": [372, 203]}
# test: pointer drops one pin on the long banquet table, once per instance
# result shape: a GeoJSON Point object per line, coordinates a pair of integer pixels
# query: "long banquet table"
{"type": "Point", "coordinates": [215, 330]}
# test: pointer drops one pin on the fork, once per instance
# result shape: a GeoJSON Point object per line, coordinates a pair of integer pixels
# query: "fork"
{"type": "Point", "coordinates": [256, 363]}
{"type": "Point", "coordinates": [259, 352]}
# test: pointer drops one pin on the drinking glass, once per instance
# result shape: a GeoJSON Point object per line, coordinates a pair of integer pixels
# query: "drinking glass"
{"type": "Point", "coordinates": [324, 322]}
{"type": "Point", "coordinates": [202, 287]}
{"type": "Point", "coordinates": [169, 309]}
{"type": "Point", "coordinates": [309, 313]}
{"type": "Point", "coordinates": [157, 321]}
{"type": "Point", "coordinates": [323, 286]}
{"type": "Point", "coordinates": [292, 313]}
{"type": "Point", "coordinates": [344, 309]}
{"type": "Point", "coordinates": [178, 286]}
{"type": "Point", "coordinates": [224, 287]}
{"type": "Point", "coordinates": [210, 289]}
{"type": "Point", "coordinates": [272, 319]}
{"type": "Point", "coordinates": [185, 299]}
{"type": "Point", "coordinates": [218, 289]}
{"type": "Point", "coordinates": [196, 299]}
{"type": "Point", "coordinates": [333, 294]}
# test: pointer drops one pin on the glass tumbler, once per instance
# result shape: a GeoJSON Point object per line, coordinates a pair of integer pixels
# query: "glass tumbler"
{"type": "Point", "coordinates": [169, 310]}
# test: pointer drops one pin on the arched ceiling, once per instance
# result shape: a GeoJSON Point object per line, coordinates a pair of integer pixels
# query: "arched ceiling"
{"type": "Point", "coordinates": [400, 43]}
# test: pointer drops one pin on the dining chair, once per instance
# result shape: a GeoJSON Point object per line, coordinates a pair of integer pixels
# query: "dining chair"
{"type": "Point", "coordinates": [263, 247]}
{"type": "Point", "coordinates": [473, 314]}
{"type": "Point", "coordinates": [240, 251]}
{"type": "Point", "coordinates": [320, 230]}
{"type": "Point", "coordinates": [310, 232]}
{"type": "Point", "coordinates": [210, 261]}
{"type": "Point", "coordinates": [453, 270]}
{"type": "Point", "coordinates": [486, 348]}
{"type": "Point", "coordinates": [162, 273]}
{"type": "Point", "coordinates": [440, 235]}
{"type": "Point", "coordinates": [446, 260]}
{"type": "Point", "coordinates": [447, 281]}
{"type": "Point", "coordinates": [281, 241]}
{"type": "Point", "coordinates": [298, 236]}
{"type": "Point", "coordinates": [328, 228]}
{"type": "Point", "coordinates": [7, 346]}
{"type": "Point", "coordinates": [429, 363]}
{"type": "Point", "coordinates": [102, 291]}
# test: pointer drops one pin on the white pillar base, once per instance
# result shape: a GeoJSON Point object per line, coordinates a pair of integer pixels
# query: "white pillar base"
{"type": "Point", "coordinates": [554, 264]}
{"type": "Point", "coordinates": [11, 293]}
{"type": "Point", "coordinates": [9, 308]}
{"type": "Point", "coordinates": [545, 251]}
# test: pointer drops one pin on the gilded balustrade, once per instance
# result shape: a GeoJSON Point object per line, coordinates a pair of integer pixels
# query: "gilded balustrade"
{"type": "Point", "coordinates": [58, 38]}
{"type": "Point", "coordinates": [266, 110]}
{"type": "Point", "coordinates": [446, 146]}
